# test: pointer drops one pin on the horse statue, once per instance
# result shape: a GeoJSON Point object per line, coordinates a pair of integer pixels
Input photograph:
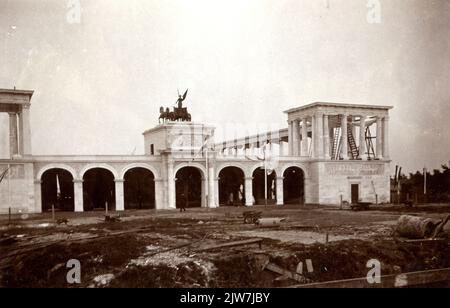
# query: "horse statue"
{"type": "Point", "coordinates": [166, 115]}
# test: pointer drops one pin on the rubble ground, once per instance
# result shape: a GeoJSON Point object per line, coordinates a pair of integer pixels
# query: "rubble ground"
{"type": "Point", "coordinates": [167, 249]}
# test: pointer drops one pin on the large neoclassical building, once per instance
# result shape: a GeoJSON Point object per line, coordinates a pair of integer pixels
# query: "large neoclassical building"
{"type": "Point", "coordinates": [329, 153]}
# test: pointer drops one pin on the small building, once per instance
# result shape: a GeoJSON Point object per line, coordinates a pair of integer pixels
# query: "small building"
{"type": "Point", "coordinates": [328, 154]}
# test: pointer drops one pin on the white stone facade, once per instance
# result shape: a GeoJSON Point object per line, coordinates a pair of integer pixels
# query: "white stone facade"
{"type": "Point", "coordinates": [331, 172]}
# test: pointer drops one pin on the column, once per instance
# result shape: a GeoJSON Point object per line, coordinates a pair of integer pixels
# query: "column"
{"type": "Point", "coordinates": [309, 191]}
{"type": "Point", "coordinates": [37, 196]}
{"type": "Point", "coordinates": [280, 190]}
{"type": "Point", "coordinates": [313, 136]}
{"type": "Point", "coordinates": [159, 194]}
{"type": "Point", "coordinates": [13, 136]}
{"type": "Point", "coordinates": [290, 138]}
{"type": "Point", "coordinates": [25, 130]}
{"type": "Point", "coordinates": [344, 128]}
{"type": "Point", "coordinates": [171, 186]}
{"type": "Point", "coordinates": [204, 188]}
{"type": "Point", "coordinates": [304, 137]}
{"type": "Point", "coordinates": [120, 197]}
{"type": "Point", "coordinates": [78, 195]}
{"type": "Point", "coordinates": [386, 154]}
{"type": "Point", "coordinates": [379, 138]}
{"type": "Point", "coordinates": [320, 137]}
{"type": "Point", "coordinates": [326, 136]}
{"type": "Point", "coordinates": [296, 139]}
{"type": "Point", "coordinates": [362, 138]}
{"type": "Point", "coordinates": [216, 190]}
{"type": "Point", "coordinates": [211, 190]}
{"type": "Point", "coordinates": [249, 191]}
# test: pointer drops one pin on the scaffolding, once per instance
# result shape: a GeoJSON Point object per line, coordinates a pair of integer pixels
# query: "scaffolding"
{"type": "Point", "coordinates": [354, 151]}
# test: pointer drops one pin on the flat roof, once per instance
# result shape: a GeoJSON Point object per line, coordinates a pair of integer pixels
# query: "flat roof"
{"type": "Point", "coordinates": [345, 105]}
{"type": "Point", "coordinates": [175, 124]}
{"type": "Point", "coordinates": [15, 91]}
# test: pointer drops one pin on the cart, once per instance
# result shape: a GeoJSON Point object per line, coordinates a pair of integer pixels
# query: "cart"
{"type": "Point", "coordinates": [360, 206]}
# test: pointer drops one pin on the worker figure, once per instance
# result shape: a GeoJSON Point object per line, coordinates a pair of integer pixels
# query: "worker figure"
{"type": "Point", "coordinates": [183, 202]}
{"type": "Point", "coordinates": [231, 199]}
{"type": "Point", "coordinates": [241, 195]}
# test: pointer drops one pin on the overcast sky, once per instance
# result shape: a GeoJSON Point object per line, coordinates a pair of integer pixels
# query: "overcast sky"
{"type": "Point", "coordinates": [99, 83]}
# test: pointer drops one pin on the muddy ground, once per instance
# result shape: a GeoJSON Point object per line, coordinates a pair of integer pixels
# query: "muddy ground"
{"type": "Point", "coordinates": [164, 248]}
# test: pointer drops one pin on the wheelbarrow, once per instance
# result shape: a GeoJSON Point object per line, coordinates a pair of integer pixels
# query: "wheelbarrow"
{"type": "Point", "coordinates": [251, 217]}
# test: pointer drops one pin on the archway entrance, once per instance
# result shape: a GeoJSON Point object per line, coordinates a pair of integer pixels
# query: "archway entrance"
{"type": "Point", "coordinates": [139, 189]}
{"type": "Point", "coordinates": [188, 187]}
{"type": "Point", "coordinates": [294, 186]}
{"type": "Point", "coordinates": [99, 190]}
{"type": "Point", "coordinates": [258, 187]}
{"type": "Point", "coordinates": [57, 190]}
{"type": "Point", "coordinates": [231, 186]}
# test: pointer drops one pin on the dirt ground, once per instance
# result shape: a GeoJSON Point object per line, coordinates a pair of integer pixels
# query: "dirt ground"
{"type": "Point", "coordinates": [167, 248]}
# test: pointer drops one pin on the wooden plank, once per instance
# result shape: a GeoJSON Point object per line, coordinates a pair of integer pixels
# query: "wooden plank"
{"type": "Point", "coordinates": [285, 273]}
{"type": "Point", "coordinates": [232, 244]}
{"type": "Point", "coordinates": [388, 281]}
{"type": "Point", "coordinates": [428, 240]}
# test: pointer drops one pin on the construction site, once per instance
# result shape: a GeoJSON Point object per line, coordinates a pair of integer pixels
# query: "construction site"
{"type": "Point", "coordinates": [229, 247]}
{"type": "Point", "coordinates": [306, 206]}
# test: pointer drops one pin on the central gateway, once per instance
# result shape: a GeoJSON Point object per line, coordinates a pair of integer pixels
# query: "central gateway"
{"type": "Point", "coordinates": [186, 151]}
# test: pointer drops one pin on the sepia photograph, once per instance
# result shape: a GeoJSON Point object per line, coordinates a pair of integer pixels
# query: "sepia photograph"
{"type": "Point", "coordinates": [225, 150]}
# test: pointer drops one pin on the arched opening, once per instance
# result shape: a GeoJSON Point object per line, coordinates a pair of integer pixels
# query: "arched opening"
{"type": "Point", "coordinates": [188, 187]}
{"type": "Point", "coordinates": [139, 189]}
{"type": "Point", "coordinates": [231, 186]}
{"type": "Point", "coordinates": [294, 186]}
{"type": "Point", "coordinates": [258, 187]}
{"type": "Point", "coordinates": [57, 190]}
{"type": "Point", "coordinates": [99, 190]}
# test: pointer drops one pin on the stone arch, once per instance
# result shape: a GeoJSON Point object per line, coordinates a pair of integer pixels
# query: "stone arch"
{"type": "Point", "coordinates": [231, 185]}
{"type": "Point", "coordinates": [253, 168]}
{"type": "Point", "coordinates": [190, 186]}
{"type": "Point", "coordinates": [139, 165]}
{"type": "Point", "coordinates": [180, 166]}
{"type": "Point", "coordinates": [293, 185]}
{"type": "Point", "coordinates": [232, 164]}
{"type": "Point", "coordinates": [101, 166]}
{"type": "Point", "coordinates": [99, 188]}
{"type": "Point", "coordinates": [138, 188]}
{"type": "Point", "coordinates": [57, 190]}
{"type": "Point", "coordinates": [258, 184]}
{"type": "Point", "coordinates": [56, 166]}
{"type": "Point", "coordinates": [286, 166]}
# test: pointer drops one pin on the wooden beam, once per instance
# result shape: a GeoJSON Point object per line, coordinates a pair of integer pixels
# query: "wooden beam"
{"type": "Point", "coordinates": [232, 244]}
{"type": "Point", "coordinates": [388, 281]}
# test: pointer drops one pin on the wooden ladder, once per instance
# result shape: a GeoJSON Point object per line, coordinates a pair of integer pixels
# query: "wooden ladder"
{"type": "Point", "coordinates": [336, 151]}
{"type": "Point", "coordinates": [352, 148]}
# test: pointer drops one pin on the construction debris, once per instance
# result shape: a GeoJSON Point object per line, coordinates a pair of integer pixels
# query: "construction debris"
{"type": "Point", "coordinates": [264, 263]}
{"type": "Point", "coordinates": [164, 249]}
{"type": "Point", "coordinates": [103, 280]}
